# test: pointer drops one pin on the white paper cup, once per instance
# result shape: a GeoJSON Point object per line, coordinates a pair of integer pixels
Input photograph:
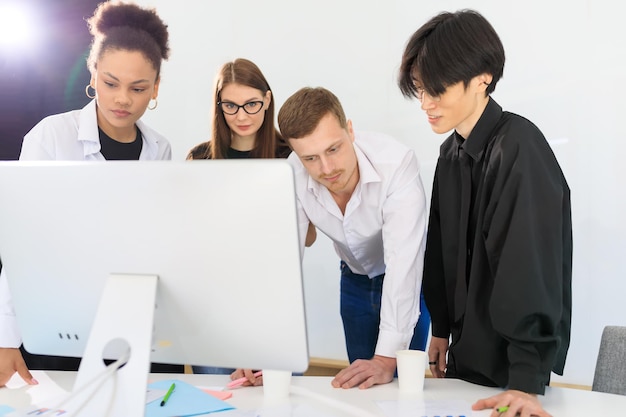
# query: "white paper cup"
{"type": "Point", "coordinates": [411, 369]}
{"type": "Point", "coordinates": [276, 384]}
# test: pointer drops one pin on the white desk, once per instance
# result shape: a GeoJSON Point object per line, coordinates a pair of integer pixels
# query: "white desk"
{"type": "Point", "coordinates": [564, 402]}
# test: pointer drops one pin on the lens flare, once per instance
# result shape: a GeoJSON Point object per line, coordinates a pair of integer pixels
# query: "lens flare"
{"type": "Point", "coordinates": [17, 28]}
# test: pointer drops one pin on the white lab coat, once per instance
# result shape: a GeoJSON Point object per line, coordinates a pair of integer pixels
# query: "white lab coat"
{"type": "Point", "coordinates": [71, 136]}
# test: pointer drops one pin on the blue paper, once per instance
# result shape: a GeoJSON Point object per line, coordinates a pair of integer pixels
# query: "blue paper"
{"type": "Point", "coordinates": [5, 409]}
{"type": "Point", "coordinates": [186, 400]}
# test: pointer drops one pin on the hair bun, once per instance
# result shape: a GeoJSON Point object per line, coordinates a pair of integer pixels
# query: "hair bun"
{"type": "Point", "coordinates": [111, 15]}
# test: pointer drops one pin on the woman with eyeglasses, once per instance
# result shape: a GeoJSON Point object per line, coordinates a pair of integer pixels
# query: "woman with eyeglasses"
{"type": "Point", "coordinates": [243, 116]}
{"type": "Point", "coordinates": [243, 127]}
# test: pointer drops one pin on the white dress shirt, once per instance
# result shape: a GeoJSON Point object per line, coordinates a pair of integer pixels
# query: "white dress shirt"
{"type": "Point", "coordinates": [9, 333]}
{"type": "Point", "coordinates": [382, 231]}
{"type": "Point", "coordinates": [71, 136]}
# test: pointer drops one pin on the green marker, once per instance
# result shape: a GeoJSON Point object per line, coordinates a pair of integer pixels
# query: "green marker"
{"type": "Point", "coordinates": [167, 394]}
{"type": "Point", "coordinates": [502, 409]}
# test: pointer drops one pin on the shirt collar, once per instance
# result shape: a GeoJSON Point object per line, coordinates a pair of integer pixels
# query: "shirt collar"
{"type": "Point", "coordinates": [88, 134]}
{"type": "Point", "coordinates": [477, 141]}
{"type": "Point", "coordinates": [88, 124]}
{"type": "Point", "coordinates": [88, 129]}
{"type": "Point", "coordinates": [150, 148]}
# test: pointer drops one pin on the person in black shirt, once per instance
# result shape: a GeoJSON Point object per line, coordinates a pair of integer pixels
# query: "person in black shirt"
{"type": "Point", "coordinates": [498, 262]}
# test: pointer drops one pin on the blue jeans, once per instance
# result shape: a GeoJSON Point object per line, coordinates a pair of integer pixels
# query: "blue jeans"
{"type": "Point", "coordinates": [211, 370]}
{"type": "Point", "coordinates": [222, 371]}
{"type": "Point", "coordinates": [360, 313]}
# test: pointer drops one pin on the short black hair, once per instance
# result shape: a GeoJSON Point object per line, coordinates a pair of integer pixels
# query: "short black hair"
{"type": "Point", "coordinates": [449, 48]}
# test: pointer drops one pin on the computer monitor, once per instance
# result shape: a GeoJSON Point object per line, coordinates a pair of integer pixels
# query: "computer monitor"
{"type": "Point", "coordinates": [217, 241]}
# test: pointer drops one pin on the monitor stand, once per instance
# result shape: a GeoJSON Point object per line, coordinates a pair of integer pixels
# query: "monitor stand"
{"type": "Point", "coordinates": [125, 316]}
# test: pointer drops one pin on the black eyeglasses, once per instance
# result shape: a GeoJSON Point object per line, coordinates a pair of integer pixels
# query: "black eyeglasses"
{"type": "Point", "coordinates": [419, 94]}
{"type": "Point", "coordinates": [251, 107]}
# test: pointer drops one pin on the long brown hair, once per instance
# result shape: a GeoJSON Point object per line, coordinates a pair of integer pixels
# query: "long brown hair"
{"type": "Point", "coordinates": [244, 72]}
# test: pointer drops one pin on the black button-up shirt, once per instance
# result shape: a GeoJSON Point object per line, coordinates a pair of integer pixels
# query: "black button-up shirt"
{"type": "Point", "coordinates": [498, 266]}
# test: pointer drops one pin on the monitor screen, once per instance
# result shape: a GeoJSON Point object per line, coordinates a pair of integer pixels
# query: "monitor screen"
{"type": "Point", "coordinates": [220, 236]}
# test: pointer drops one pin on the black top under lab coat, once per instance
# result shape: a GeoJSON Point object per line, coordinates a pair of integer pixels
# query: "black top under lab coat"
{"type": "Point", "coordinates": [498, 266]}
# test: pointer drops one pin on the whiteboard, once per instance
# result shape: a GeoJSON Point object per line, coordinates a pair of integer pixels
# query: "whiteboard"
{"type": "Point", "coordinates": [564, 71]}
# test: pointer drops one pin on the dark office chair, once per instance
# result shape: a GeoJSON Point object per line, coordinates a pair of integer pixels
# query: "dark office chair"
{"type": "Point", "coordinates": [610, 375]}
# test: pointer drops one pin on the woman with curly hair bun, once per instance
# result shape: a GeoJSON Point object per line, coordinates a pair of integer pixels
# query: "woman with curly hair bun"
{"type": "Point", "coordinates": [129, 45]}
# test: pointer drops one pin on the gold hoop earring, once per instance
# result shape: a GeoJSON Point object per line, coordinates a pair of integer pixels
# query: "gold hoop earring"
{"type": "Point", "coordinates": [87, 91]}
{"type": "Point", "coordinates": [156, 103]}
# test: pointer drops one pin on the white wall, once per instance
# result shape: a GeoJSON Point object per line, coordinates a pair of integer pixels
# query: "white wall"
{"type": "Point", "coordinates": [565, 66]}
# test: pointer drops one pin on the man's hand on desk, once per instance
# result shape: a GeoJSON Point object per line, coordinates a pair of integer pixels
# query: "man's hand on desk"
{"type": "Point", "coordinates": [11, 361]}
{"type": "Point", "coordinates": [365, 373]}
{"type": "Point", "coordinates": [517, 403]}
